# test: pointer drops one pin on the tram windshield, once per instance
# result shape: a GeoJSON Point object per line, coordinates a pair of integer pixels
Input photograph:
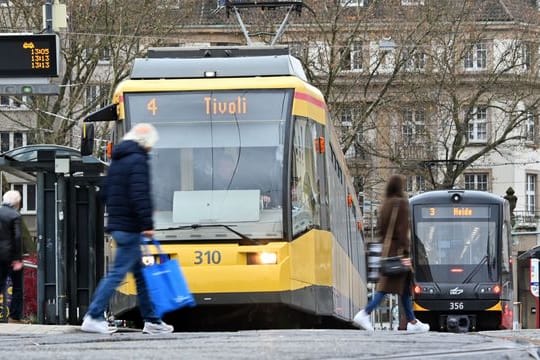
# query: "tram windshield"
{"type": "Point", "coordinates": [456, 250]}
{"type": "Point", "coordinates": [219, 159]}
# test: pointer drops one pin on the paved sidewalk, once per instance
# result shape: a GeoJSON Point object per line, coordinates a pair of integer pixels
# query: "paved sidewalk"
{"type": "Point", "coordinates": [37, 329]}
{"type": "Point", "coordinates": [531, 336]}
{"type": "Point", "coordinates": [7, 329]}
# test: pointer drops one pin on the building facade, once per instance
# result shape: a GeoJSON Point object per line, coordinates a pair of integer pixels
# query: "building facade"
{"type": "Point", "coordinates": [444, 92]}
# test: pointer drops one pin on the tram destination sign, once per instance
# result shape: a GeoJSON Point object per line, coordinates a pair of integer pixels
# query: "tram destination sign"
{"type": "Point", "coordinates": [228, 105]}
{"type": "Point", "coordinates": [455, 212]}
{"type": "Point", "coordinates": [28, 56]}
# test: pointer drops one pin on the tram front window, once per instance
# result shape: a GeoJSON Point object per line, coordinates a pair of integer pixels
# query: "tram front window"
{"type": "Point", "coordinates": [453, 251]}
{"type": "Point", "coordinates": [219, 160]}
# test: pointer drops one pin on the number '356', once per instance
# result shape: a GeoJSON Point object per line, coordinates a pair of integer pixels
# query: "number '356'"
{"type": "Point", "coordinates": [456, 305]}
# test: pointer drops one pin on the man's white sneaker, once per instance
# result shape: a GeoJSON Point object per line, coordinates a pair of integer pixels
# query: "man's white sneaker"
{"type": "Point", "coordinates": [96, 326]}
{"type": "Point", "coordinates": [418, 327]}
{"type": "Point", "coordinates": [161, 328]}
{"type": "Point", "coordinates": [362, 319]}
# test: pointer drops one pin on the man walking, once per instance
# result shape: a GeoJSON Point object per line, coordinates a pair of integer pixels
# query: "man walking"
{"type": "Point", "coordinates": [127, 196]}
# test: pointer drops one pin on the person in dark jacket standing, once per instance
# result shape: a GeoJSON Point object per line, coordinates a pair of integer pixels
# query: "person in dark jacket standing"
{"type": "Point", "coordinates": [127, 196]}
{"type": "Point", "coordinates": [400, 244]}
{"type": "Point", "coordinates": [11, 263]}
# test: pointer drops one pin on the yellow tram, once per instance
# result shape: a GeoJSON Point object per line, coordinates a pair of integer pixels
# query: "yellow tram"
{"type": "Point", "coordinates": [250, 188]}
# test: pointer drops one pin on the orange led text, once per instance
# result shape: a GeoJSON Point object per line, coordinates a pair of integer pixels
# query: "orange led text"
{"type": "Point", "coordinates": [215, 107]}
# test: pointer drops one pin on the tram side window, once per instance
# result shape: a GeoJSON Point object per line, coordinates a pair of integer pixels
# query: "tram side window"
{"type": "Point", "coordinates": [305, 197]}
{"type": "Point", "coordinates": [505, 261]}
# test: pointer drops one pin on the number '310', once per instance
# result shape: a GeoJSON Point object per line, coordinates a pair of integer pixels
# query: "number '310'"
{"type": "Point", "coordinates": [207, 257]}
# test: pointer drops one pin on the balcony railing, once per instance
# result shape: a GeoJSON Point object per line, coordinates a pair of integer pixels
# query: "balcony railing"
{"type": "Point", "coordinates": [526, 220]}
{"type": "Point", "coordinates": [414, 151]}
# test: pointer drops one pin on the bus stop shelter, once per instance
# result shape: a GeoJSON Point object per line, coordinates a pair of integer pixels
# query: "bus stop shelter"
{"type": "Point", "coordinates": [70, 229]}
{"type": "Point", "coordinates": [533, 256]}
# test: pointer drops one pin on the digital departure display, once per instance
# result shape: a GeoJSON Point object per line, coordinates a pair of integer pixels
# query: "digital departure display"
{"type": "Point", "coordinates": [453, 212]}
{"type": "Point", "coordinates": [32, 55]}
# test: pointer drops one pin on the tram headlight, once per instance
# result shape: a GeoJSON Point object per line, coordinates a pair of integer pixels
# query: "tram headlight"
{"type": "Point", "coordinates": [425, 289]}
{"type": "Point", "coordinates": [262, 258]}
{"type": "Point", "coordinates": [490, 289]}
{"type": "Point", "coordinates": [456, 198]}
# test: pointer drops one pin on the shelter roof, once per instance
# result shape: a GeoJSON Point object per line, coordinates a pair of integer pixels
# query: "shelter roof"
{"type": "Point", "coordinates": [30, 152]}
{"type": "Point", "coordinates": [28, 159]}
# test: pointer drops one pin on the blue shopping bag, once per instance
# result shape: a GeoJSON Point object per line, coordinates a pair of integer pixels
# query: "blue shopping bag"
{"type": "Point", "coordinates": [166, 284]}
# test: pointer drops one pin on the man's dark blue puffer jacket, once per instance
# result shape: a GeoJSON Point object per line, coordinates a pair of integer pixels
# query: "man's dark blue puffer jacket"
{"type": "Point", "coordinates": [127, 189]}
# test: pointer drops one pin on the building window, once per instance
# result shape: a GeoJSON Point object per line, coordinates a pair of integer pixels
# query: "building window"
{"type": "Point", "coordinates": [529, 127]}
{"type": "Point", "coordinates": [410, 184]}
{"type": "Point", "coordinates": [414, 125]}
{"type": "Point", "coordinates": [353, 2]}
{"type": "Point", "coordinates": [476, 57]}
{"type": "Point", "coordinates": [17, 140]}
{"type": "Point", "coordinates": [477, 125]}
{"type": "Point", "coordinates": [97, 96]}
{"type": "Point", "coordinates": [524, 55]}
{"type": "Point", "coordinates": [412, 2]}
{"type": "Point", "coordinates": [357, 152]}
{"type": "Point", "coordinates": [416, 184]}
{"type": "Point", "coordinates": [385, 58]}
{"type": "Point", "coordinates": [345, 58]}
{"type": "Point", "coordinates": [351, 57]}
{"type": "Point", "coordinates": [346, 117]}
{"type": "Point", "coordinates": [12, 140]}
{"type": "Point", "coordinates": [28, 197]}
{"type": "Point", "coordinates": [356, 55]}
{"type": "Point", "coordinates": [170, 4]}
{"type": "Point", "coordinates": [530, 194]}
{"type": "Point", "coordinates": [14, 102]}
{"type": "Point", "coordinates": [91, 94]}
{"type": "Point", "coordinates": [4, 142]}
{"type": "Point", "coordinates": [414, 60]}
{"type": "Point", "coordinates": [104, 55]}
{"type": "Point", "coordinates": [104, 91]}
{"type": "Point", "coordinates": [477, 181]}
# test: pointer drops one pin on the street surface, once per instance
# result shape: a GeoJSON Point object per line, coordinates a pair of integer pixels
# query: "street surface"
{"type": "Point", "coordinates": [28, 342]}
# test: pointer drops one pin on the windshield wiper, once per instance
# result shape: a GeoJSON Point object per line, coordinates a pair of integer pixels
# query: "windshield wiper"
{"type": "Point", "coordinates": [487, 259]}
{"type": "Point", "coordinates": [198, 226]}
{"type": "Point", "coordinates": [476, 268]}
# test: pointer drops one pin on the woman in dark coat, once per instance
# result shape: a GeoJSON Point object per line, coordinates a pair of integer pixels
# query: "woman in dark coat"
{"type": "Point", "coordinates": [400, 245]}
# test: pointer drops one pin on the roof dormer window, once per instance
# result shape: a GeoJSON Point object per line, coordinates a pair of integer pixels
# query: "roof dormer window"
{"type": "Point", "coordinates": [353, 3]}
{"type": "Point", "coordinates": [412, 2]}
